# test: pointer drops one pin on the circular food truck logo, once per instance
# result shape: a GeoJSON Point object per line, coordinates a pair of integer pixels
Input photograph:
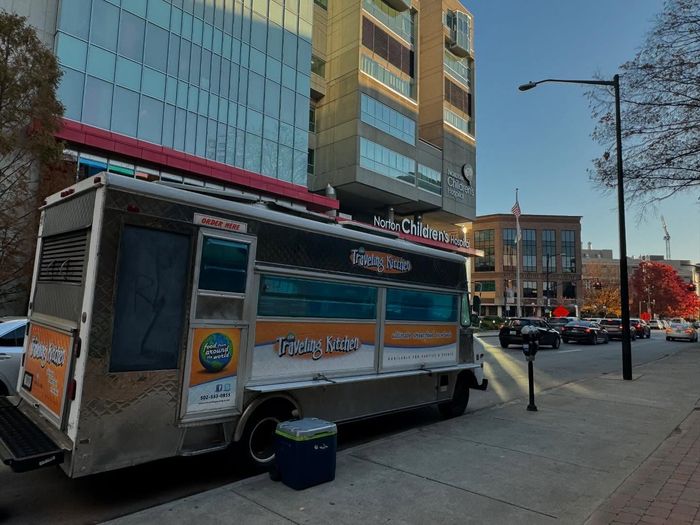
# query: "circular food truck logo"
{"type": "Point", "coordinates": [215, 352]}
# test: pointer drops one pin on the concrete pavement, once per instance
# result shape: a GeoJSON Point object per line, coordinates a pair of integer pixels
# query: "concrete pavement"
{"type": "Point", "coordinates": [568, 463]}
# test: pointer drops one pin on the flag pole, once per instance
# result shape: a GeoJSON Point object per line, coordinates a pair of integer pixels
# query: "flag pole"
{"type": "Point", "coordinates": [517, 256]}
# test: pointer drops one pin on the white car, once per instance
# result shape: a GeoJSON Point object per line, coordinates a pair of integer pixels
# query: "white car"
{"type": "Point", "coordinates": [681, 331]}
{"type": "Point", "coordinates": [11, 348]}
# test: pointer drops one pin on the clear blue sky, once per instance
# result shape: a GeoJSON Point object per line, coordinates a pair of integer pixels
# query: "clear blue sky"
{"type": "Point", "coordinates": [539, 140]}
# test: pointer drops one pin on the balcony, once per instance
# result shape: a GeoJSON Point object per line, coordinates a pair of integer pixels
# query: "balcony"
{"type": "Point", "coordinates": [458, 38]}
{"type": "Point", "coordinates": [399, 5]}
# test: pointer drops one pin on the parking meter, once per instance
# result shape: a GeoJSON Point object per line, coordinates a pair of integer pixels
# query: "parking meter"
{"type": "Point", "coordinates": [531, 335]}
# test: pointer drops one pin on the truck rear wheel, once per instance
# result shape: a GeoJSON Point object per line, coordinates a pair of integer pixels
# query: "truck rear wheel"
{"type": "Point", "coordinates": [258, 440]}
{"type": "Point", "coordinates": [460, 399]}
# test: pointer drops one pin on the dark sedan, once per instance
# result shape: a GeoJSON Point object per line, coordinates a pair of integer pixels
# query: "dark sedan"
{"type": "Point", "coordinates": [510, 332]}
{"type": "Point", "coordinates": [584, 331]}
{"type": "Point", "coordinates": [641, 328]}
{"type": "Point", "coordinates": [614, 328]}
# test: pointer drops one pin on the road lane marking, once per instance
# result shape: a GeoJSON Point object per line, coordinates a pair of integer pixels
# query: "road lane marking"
{"type": "Point", "coordinates": [569, 351]}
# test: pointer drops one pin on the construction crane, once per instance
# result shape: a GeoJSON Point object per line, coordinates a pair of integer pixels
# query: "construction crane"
{"type": "Point", "coordinates": [667, 238]}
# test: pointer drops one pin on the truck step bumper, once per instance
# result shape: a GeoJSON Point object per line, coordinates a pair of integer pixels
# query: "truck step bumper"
{"type": "Point", "coordinates": [23, 445]}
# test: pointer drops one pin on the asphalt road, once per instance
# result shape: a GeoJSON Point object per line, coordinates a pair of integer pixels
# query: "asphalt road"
{"type": "Point", "coordinates": [48, 496]}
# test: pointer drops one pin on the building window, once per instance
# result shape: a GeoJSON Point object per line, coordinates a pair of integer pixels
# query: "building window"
{"type": "Point", "coordinates": [310, 163]}
{"type": "Point", "coordinates": [529, 289]}
{"type": "Point", "coordinates": [458, 68]}
{"type": "Point", "coordinates": [484, 286]}
{"type": "Point", "coordinates": [400, 22]}
{"type": "Point", "coordinates": [387, 119]}
{"type": "Point", "coordinates": [568, 251]}
{"type": "Point", "coordinates": [459, 122]}
{"type": "Point", "coordinates": [322, 4]}
{"type": "Point", "coordinates": [484, 240]}
{"type": "Point", "coordinates": [386, 77]}
{"type": "Point", "coordinates": [529, 246]}
{"type": "Point", "coordinates": [549, 251]}
{"type": "Point", "coordinates": [387, 47]}
{"type": "Point", "coordinates": [569, 291]}
{"type": "Point", "coordinates": [549, 289]}
{"type": "Point", "coordinates": [312, 118]}
{"type": "Point", "coordinates": [509, 248]}
{"type": "Point", "coordinates": [384, 161]}
{"type": "Point", "coordinates": [429, 179]}
{"type": "Point", "coordinates": [458, 97]}
{"type": "Point", "coordinates": [318, 66]}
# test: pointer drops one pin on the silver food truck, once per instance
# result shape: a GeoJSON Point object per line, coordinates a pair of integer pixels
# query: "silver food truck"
{"type": "Point", "coordinates": [165, 322]}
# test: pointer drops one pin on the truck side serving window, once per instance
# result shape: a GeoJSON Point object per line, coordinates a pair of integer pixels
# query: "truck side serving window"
{"type": "Point", "coordinates": [224, 265]}
{"type": "Point", "coordinates": [292, 297]}
{"type": "Point", "coordinates": [414, 305]}
{"type": "Point", "coordinates": [149, 310]}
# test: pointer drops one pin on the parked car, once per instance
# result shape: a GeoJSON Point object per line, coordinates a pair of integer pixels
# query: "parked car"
{"type": "Point", "coordinates": [11, 348]}
{"type": "Point", "coordinates": [656, 324]}
{"type": "Point", "coordinates": [614, 328]}
{"type": "Point", "coordinates": [509, 333]}
{"type": "Point", "coordinates": [682, 331]}
{"type": "Point", "coordinates": [642, 328]}
{"type": "Point", "coordinates": [559, 322]}
{"type": "Point", "coordinates": [584, 331]}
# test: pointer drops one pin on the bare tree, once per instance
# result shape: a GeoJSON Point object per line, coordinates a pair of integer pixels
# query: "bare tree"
{"type": "Point", "coordinates": [29, 117]}
{"type": "Point", "coordinates": [660, 109]}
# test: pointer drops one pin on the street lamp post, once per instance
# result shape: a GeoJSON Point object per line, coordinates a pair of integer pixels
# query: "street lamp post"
{"type": "Point", "coordinates": [624, 285]}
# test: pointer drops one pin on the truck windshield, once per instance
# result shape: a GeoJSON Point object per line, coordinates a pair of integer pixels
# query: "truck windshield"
{"type": "Point", "coordinates": [465, 319]}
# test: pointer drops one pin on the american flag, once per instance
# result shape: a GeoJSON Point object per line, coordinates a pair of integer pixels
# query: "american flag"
{"type": "Point", "coordinates": [516, 209]}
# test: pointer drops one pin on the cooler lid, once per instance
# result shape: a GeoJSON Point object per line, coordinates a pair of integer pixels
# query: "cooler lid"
{"type": "Point", "coordinates": [307, 428]}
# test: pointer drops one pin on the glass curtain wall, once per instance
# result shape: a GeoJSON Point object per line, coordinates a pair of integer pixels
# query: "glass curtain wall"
{"type": "Point", "coordinates": [221, 79]}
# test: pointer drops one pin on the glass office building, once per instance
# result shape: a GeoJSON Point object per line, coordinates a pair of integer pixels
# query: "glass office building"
{"type": "Point", "coordinates": [224, 80]}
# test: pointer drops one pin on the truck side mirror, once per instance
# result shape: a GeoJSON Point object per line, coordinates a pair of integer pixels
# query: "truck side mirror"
{"type": "Point", "coordinates": [476, 310]}
{"type": "Point", "coordinates": [476, 305]}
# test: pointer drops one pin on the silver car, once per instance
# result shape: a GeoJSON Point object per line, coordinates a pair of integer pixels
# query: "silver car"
{"type": "Point", "coordinates": [11, 348]}
{"type": "Point", "coordinates": [683, 331]}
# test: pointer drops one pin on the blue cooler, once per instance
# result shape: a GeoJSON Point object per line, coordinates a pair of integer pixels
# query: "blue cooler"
{"type": "Point", "coordinates": [305, 452]}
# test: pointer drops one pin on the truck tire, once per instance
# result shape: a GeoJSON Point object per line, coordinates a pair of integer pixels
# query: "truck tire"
{"type": "Point", "coordinates": [257, 445]}
{"type": "Point", "coordinates": [460, 399]}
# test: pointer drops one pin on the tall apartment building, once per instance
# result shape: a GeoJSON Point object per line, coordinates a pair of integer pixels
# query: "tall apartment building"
{"type": "Point", "coordinates": [392, 112]}
{"type": "Point", "coordinates": [550, 263]}
{"type": "Point", "coordinates": [219, 93]}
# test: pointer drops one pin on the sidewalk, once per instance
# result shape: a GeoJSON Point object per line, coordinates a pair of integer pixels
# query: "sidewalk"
{"type": "Point", "coordinates": [601, 450]}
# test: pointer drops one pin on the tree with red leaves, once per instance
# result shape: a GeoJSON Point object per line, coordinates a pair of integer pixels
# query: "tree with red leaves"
{"type": "Point", "coordinates": [660, 285]}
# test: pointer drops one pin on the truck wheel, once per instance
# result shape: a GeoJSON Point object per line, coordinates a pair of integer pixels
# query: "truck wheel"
{"type": "Point", "coordinates": [460, 399]}
{"type": "Point", "coordinates": [258, 440]}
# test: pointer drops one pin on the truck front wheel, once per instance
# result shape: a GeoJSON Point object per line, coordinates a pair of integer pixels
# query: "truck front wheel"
{"type": "Point", "coordinates": [460, 399]}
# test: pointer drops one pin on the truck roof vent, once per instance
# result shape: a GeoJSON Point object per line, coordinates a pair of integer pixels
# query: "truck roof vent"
{"type": "Point", "coordinates": [63, 258]}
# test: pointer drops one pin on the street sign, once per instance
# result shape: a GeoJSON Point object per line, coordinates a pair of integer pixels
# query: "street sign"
{"type": "Point", "coordinates": [560, 311]}
{"type": "Point", "coordinates": [645, 316]}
